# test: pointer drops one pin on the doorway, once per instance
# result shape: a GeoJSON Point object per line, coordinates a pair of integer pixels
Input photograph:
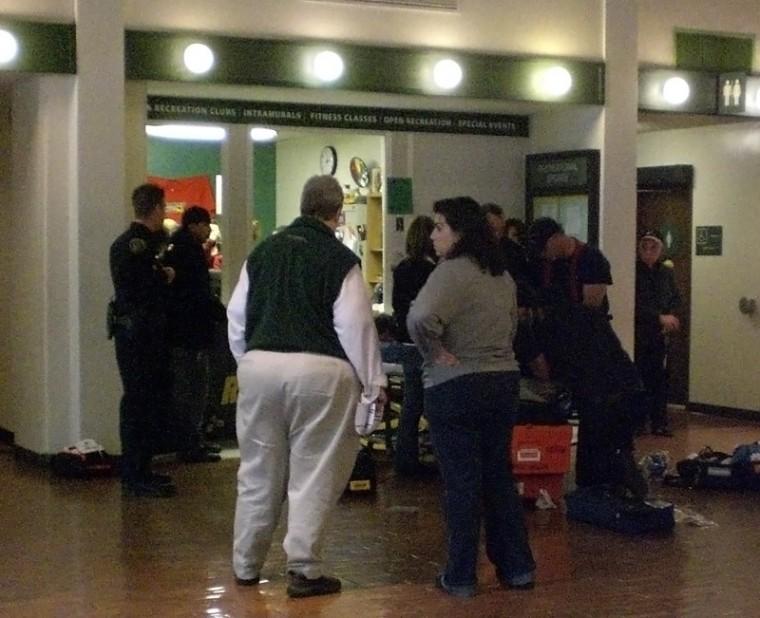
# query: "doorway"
{"type": "Point", "coordinates": [664, 203]}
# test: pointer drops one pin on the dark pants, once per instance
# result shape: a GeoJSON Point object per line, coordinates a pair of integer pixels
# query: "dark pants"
{"type": "Point", "coordinates": [651, 363]}
{"type": "Point", "coordinates": [471, 419]}
{"type": "Point", "coordinates": [605, 439]}
{"type": "Point", "coordinates": [190, 379]}
{"type": "Point", "coordinates": [407, 454]}
{"type": "Point", "coordinates": [144, 369]}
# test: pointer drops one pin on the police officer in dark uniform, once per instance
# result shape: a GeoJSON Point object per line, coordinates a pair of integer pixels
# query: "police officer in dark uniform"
{"type": "Point", "coordinates": [138, 326]}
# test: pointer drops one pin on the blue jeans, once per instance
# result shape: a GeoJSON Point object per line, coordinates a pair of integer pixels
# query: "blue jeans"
{"type": "Point", "coordinates": [471, 419]}
{"type": "Point", "coordinates": [407, 454]}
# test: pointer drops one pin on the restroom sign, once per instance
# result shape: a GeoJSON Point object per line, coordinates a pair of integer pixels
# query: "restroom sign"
{"type": "Point", "coordinates": [732, 93]}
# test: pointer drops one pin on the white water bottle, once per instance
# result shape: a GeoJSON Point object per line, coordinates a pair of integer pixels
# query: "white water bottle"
{"type": "Point", "coordinates": [369, 415]}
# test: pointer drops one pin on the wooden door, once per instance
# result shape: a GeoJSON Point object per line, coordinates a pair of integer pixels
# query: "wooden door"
{"type": "Point", "coordinates": [669, 211]}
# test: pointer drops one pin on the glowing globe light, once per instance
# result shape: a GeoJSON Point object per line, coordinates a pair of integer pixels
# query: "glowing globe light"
{"type": "Point", "coordinates": [198, 58]}
{"type": "Point", "coordinates": [554, 82]}
{"type": "Point", "coordinates": [327, 66]}
{"type": "Point", "coordinates": [8, 47]}
{"type": "Point", "coordinates": [676, 90]}
{"type": "Point", "coordinates": [447, 74]}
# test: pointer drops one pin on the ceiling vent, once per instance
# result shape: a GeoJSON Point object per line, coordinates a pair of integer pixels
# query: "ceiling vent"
{"type": "Point", "coordinates": [444, 5]}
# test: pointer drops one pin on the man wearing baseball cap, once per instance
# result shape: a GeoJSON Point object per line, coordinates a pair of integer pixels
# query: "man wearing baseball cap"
{"type": "Point", "coordinates": [657, 300]}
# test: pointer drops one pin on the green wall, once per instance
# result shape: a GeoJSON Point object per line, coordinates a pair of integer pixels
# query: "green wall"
{"type": "Point", "coordinates": [265, 187]}
{"type": "Point", "coordinates": [177, 159]}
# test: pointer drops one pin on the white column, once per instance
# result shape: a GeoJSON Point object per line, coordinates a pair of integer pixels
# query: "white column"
{"type": "Point", "coordinates": [237, 184]}
{"type": "Point", "coordinates": [40, 398]}
{"type": "Point", "coordinates": [618, 190]}
{"type": "Point", "coordinates": [100, 147]}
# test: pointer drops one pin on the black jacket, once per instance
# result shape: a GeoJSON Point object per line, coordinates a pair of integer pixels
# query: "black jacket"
{"type": "Point", "coordinates": [140, 286]}
{"type": "Point", "coordinates": [408, 278]}
{"type": "Point", "coordinates": [193, 309]}
{"type": "Point", "coordinates": [656, 295]}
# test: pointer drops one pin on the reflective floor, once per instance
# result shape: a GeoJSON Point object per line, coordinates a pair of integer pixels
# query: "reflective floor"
{"type": "Point", "coordinates": [76, 548]}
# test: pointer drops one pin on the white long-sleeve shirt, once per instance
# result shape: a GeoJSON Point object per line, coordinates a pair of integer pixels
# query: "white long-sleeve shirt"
{"type": "Point", "coordinates": [352, 319]}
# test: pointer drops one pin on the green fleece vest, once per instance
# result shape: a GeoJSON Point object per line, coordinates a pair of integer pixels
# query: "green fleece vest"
{"type": "Point", "coordinates": [295, 277]}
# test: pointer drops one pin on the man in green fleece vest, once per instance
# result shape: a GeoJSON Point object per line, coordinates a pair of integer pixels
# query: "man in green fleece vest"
{"type": "Point", "coordinates": [301, 330]}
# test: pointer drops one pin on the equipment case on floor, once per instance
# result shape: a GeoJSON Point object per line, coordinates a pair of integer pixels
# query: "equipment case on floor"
{"type": "Point", "coordinates": [629, 516]}
{"type": "Point", "coordinates": [540, 459]}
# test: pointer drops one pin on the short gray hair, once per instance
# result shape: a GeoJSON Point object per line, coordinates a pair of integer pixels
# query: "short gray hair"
{"type": "Point", "coordinates": [322, 197]}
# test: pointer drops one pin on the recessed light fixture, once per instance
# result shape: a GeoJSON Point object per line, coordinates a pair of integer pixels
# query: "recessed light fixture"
{"type": "Point", "coordinates": [447, 74]}
{"type": "Point", "coordinates": [327, 66]}
{"type": "Point", "coordinates": [676, 90]}
{"type": "Point", "coordinates": [8, 47]}
{"type": "Point", "coordinates": [187, 132]}
{"type": "Point", "coordinates": [554, 82]}
{"type": "Point", "coordinates": [198, 58]}
{"type": "Point", "coordinates": [263, 134]}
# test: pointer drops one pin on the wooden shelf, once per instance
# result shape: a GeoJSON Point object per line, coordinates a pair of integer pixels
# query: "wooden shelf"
{"type": "Point", "coordinates": [373, 255]}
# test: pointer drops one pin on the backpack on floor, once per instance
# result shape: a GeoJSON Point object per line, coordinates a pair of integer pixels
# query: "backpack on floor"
{"type": "Point", "coordinates": [85, 459]}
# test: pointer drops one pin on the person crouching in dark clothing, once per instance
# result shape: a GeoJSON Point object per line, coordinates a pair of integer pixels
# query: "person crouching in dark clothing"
{"type": "Point", "coordinates": [585, 354]}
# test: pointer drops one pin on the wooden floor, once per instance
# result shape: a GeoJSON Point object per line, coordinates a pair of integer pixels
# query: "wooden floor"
{"type": "Point", "coordinates": [76, 548]}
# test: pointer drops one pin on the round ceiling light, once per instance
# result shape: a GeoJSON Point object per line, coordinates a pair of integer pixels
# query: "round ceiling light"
{"type": "Point", "coordinates": [676, 90]}
{"type": "Point", "coordinates": [263, 134]}
{"type": "Point", "coordinates": [555, 82]}
{"type": "Point", "coordinates": [447, 74]}
{"type": "Point", "coordinates": [8, 47]}
{"type": "Point", "coordinates": [327, 66]}
{"type": "Point", "coordinates": [198, 58]}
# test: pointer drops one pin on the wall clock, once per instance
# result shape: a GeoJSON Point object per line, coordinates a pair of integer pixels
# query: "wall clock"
{"type": "Point", "coordinates": [328, 160]}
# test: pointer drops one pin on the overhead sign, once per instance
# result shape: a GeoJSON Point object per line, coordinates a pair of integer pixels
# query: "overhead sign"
{"type": "Point", "coordinates": [732, 93]}
{"type": "Point", "coordinates": [335, 116]}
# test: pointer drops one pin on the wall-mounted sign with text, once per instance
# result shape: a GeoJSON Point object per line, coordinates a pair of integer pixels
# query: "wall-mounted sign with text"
{"type": "Point", "coordinates": [335, 116]}
{"type": "Point", "coordinates": [709, 240]}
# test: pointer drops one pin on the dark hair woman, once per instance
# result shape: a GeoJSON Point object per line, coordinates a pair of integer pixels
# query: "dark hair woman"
{"type": "Point", "coordinates": [408, 278]}
{"type": "Point", "coordinates": [463, 322]}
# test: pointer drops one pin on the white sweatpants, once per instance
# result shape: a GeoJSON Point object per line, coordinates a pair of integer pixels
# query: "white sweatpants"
{"type": "Point", "coordinates": [295, 428]}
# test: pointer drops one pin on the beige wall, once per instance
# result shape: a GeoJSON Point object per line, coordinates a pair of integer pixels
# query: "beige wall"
{"type": "Point", "coordinates": [571, 28]}
{"type": "Point", "coordinates": [298, 160]}
{"type": "Point", "coordinates": [659, 18]}
{"type": "Point", "coordinates": [61, 10]}
{"type": "Point", "coordinates": [725, 344]}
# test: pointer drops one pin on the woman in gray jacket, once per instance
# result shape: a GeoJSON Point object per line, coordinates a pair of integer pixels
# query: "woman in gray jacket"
{"type": "Point", "coordinates": [463, 322]}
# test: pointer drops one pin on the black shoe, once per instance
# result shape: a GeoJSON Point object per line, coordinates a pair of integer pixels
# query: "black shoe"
{"type": "Point", "coordinates": [417, 472]}
{"type": "Point", "coordinates": [147, 490]}
{"type": "Point", "coordinates": [662, 431]}
{"type": "Point", "coordinates": [240, 581]}
{"type": "Point", "coordinates": [212, 447]}
{"type": "Point", "coordinates": [300, 586]}
{"type": "Point", "coordinates": [523, 582]}
{"type": "Point", "coordinates": [159, 479]}
{"type": "Point", "coordinates": [463, 592]}
{"type": "Point", "coordinates": [630, 476]}
{"type": "Point", "coordinates": [199, 456]}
